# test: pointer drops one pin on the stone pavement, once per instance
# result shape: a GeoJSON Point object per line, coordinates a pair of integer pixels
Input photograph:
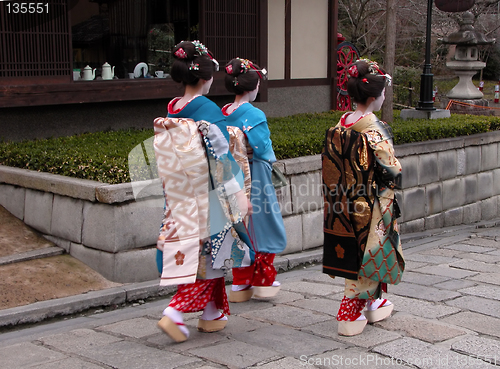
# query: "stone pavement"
{"type": "Point", "coordinates": [447, 315]}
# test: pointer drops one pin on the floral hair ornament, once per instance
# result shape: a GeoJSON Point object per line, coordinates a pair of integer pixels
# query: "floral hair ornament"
{"type": "Point", "coordinates": [194, 66]}
{"type": "Point", "coordinates": [202, 50]}
{"type": "Point", "coordinates": [180, 53]}
{"type": "Point", "coordinates": [374, 69]}
{"type": "Point", "coordinates": [245, 65]}
{"type": "Point", "coordinates": [353, 71]}
{"type": "Point", "coordinates": [235, 81]}
{"type": "Point", "coordinates": [229, 69]}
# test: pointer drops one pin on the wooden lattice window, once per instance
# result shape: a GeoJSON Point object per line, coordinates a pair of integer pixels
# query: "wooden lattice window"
{"type": "Point", "coordinates": [35, 45]}
{"type": "Point", "coordinates": [232, 28]}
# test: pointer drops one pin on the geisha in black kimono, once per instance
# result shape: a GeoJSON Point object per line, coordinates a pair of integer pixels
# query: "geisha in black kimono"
{"type": "Point", "coordinates": [360, 173]}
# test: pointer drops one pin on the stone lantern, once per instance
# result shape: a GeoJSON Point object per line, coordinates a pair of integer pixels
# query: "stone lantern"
{"type": "Point", "coordinates": [465, 62]}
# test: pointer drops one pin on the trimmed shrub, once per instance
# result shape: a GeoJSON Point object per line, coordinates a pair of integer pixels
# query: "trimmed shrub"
{"type": "Point", "coordinates": [103, 156]}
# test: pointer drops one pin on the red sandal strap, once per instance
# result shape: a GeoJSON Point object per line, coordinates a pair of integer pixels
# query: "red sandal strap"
{"type": "Point", "coordinates": [220, 317]}
{"type": "Point", "coordinates": [382, 304]}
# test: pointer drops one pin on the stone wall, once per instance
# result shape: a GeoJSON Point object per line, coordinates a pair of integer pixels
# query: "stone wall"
{"type": "Point", "coordinates": [445, 182]}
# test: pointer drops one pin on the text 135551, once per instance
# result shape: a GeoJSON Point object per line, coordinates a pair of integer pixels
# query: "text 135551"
{"type": "Point", "coordinates": [27, 8]}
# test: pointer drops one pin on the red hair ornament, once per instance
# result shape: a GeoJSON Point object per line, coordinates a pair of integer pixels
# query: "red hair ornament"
{"type": "Point", "coordinates": [180, 53]}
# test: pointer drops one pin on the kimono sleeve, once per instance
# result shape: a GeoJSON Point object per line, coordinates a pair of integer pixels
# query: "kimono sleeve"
{"type": "Point", "coordinates": [388, 166]}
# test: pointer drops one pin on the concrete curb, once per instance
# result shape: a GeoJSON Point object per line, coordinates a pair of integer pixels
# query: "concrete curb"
{"type": "Point", "coordinates": [31, 255]}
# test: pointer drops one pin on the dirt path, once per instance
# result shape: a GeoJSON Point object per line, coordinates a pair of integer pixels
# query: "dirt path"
{"type": "Point", "coordinates": [41, 279]}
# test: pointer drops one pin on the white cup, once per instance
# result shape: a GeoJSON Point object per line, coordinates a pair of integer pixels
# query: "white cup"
{"type": "Point", "coordinates": [131, 75]}
{"type": "Point", "coordinates": [159, 73]}
{"type": "Point", "coordinates": [76, 76]}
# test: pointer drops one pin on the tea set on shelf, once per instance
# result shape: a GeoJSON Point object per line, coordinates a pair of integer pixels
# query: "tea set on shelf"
{"type": "Point", "coordinates": [108, 72]}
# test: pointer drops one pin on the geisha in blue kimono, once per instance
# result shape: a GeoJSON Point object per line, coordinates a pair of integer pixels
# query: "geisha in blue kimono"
{"type": "Point", "coordinates": [265, 225]}
{"type": "Point", "coordinates": [201, 236]}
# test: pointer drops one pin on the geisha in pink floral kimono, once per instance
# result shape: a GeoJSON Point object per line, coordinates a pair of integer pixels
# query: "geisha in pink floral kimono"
{"type": "Point", "coordinates": [360, 174]}
{"type": "Point", "coordinates": [202, 234]}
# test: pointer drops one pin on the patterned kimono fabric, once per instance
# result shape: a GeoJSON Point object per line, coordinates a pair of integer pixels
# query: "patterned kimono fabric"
{"type": "Point", "coordinates": [266, 227]}
{"type": "Point", "coordinates": [360, 173]}
{"type": "Point", "coordinates": [207, 284]}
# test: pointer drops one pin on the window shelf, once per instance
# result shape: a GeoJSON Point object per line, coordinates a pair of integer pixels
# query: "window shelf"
{"type": "Point", "coordinates": [97, 91]}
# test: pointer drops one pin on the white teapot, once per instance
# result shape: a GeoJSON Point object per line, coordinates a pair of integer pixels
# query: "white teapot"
{"type": "Point", "coordinates": [108, 72]}
{"type": "Point", "coordinates": [88, 73]}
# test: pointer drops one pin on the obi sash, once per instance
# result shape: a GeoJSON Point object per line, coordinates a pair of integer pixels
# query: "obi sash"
{"type": "Point", "coordinates": [197, 232]}
{"type": "Point", "coordinates": [348, 169]}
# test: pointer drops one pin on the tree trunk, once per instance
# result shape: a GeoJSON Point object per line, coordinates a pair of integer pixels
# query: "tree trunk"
{"type": "Point", "coordinates": [390, 53]}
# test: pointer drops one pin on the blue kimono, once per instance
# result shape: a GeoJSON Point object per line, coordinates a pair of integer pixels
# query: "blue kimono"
{"type": "Point", "coordinates": [266, 223]}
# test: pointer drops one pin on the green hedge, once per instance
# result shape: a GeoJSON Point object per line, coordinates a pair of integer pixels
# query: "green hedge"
{"type": "Point", "coordinates": [103, 156]}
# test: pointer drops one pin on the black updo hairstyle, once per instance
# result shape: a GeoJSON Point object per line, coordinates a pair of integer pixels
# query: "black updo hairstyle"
{"type": "Point", "coordinates": [192, 62]}
{"type": "Point", "coordinates": [363, 84]}
{"type": "Point", "coordinates": [242, 75]}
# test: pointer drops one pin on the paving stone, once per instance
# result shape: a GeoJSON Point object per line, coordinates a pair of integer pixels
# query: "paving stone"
{"type": "Point", "coordinates": [137, 328]}
{"type": "Point", "coordinates": [350, 358]}
{"type": "Point", "coordinates": [423, 329]}
{"type": "Point", "coordinates": [309, 288]}
{"type": "Point", "coordinates": [79, 340]}
{"type": "Point", "coordinates": [325, 306]}
{"type": "Point", "coordinates": [491, 232]}
{"type": "Point", "coordinates": [412, 265]}
{"type": "Point", "coordinates": [282, 297]}
{"type": "Point", "coordinates": [486, 258]}
{"type": "Point", "coordinates": [469, 248]}
{"type": "Point", "coordinates": [441, 252]}
{"type": "Point", "coordinates": [238, 325]}
{"type": "Point", "coordinates": [445, 271]}
{"type": "Point", "coordinates": [423, 355]}
{"type": "Point", "coordinates": [431, 259]}
{"type": "Point", "coordinates": [473, 265]}
{"type": "Point", "coordinates": [70, 363]}
{"type": "Point", "coordinates": [288, 341]}
{"type": "Point", "coordinates": [478, 304]}
{"type": "Point", "coordinates": [324, 278]}
{"type": "Point", "coordinates": [126, 355]}
{"type": "Point", "coordinates": [486, 291]}
{"type": "Point", "coordinates": [481, 241]}
{"type": "Point", "coordinates": [480, 348]}
{"type": "Point", "coordinates": [496, 253]}
{"type": "Point", "coordinates": [288, 316]}
{"type": "Point", "coordinates": [27, 354]}
{"type": "Point", "coordinates": [493, 278]}
{"type": "Point", "coordinates": [455, 284]}
{"type": "Point", "coordinates": [234, 354]}
{"type": "Point", "coordinates": [196, 339]}
{"type": "Point", "coordinates": [423, 292]}
{"type": "Point", "coordinates": [371, 336]}
{"type": "Point", "coordinates": [285, 363]}
{"type": "Point", "coordinates": [421, 308]}
{"type": "Point", "coordinates": [476, 322]}
{"type": "Point", "coordinates": [425, 279]}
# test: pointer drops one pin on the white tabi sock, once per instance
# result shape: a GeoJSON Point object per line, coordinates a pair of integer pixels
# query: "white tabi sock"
{"type": "Point", "coordinates": [176, 317]}
{"type": "Point", "coordinates": [239, 287]}
{"type": "Point", "coordinates": [211, 312]}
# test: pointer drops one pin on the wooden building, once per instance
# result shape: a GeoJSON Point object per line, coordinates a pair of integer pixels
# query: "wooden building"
{"type": "Point", "coordinates": [44, 49]}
